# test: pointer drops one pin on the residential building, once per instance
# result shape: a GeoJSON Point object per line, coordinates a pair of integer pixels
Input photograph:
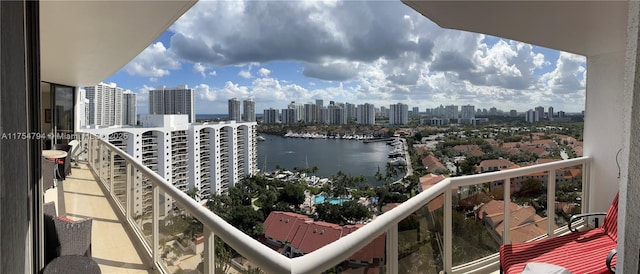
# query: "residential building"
{"type": "Point", "coordinates": [207, 158]}
{"type": "Point", "coordinates": [289, 116]}
{"type": "Point", "coordinates": [311, 113]}
{"type": "Point", "coordinates": [130, 108]}
{"type": "Point", "coordinates": [336, 115]}
{"type": "Point", "coordinates": [178, 100]}
{"type": "Point", "coordinates": [248, 110]}
{"type": "Point", "coordinates": [451, 112]}
{"type": "Point", "coordinates": [299, 111]}
{"type": "Point", "coordinates": [551, 113]}
{"type": "Point", "coordinates": [234, 110]}
{"type": "Point", "coordinates": [415, 111]}
{"type": "Point", "coordinates": [532, 116]}
{"type": "Point", "coordinates": [366, 114]}
{"type": "Point", "coordinates": [540, 112]}
{"type": "Point", "coordinates": [106, 104]}
{"type": "Point", "coordinates": [295, 234]}
{"type": "Point", "coordinates": [467, 114]}
{"type": "Point", "coordinates": [399, 114]}
{"type": "Point", "coordinates": [270, 116]}
{"type": "Point", "coordinates": [350, 110]}
{"type": "Point", "coordinates": [513, 113]}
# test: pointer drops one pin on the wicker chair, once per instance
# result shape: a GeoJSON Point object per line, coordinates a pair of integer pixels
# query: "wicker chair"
{"type": "Point", "coordinates": [74, 236]}
{"type": "Point", "coordinates": [47, 167]}
{"type": "Point", "coordinates": [51, 243]}
{"type": "Point", "coordinates": [64, 164]}
{"type": "Point", "coordinates": [63, 236]}
{"type": "Point", "coordinates": [591, 251]}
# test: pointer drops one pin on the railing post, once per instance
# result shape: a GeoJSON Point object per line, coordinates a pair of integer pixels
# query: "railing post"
{"type": "Point", "coordinates": [129, 199]}
{"type": "Point", "coordinates": [100, 169]}
{"type": "Point", "coordinates": [209, 251]}
{"type": "Point", "coordinates": [392, 249]}
{"type": "Point", "coordinates": [87, 140]}
{"type": "Point", "coordinates": [506, 238]}
{"type": "Point", "coordinates": [111, 173]}
{"type": "Point", "coordinates": [586, 187]}
{"type": "Point", "coordinates": [155, 236]}
{"type": "Point", "coordinates": [551, 202]}
{"type": "Point", "coordinates": [448, 231]}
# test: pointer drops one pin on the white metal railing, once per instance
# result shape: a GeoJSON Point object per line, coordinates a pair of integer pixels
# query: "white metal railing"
{"type": "Point", "coordinates": [339, 251]}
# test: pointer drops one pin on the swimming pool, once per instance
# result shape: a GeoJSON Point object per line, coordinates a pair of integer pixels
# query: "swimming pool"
{"type": "Point", "coordinates": [319, 199]}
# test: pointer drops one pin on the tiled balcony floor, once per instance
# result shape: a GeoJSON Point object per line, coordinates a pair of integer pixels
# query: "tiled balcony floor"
{"type": "Point", "coordinates": [80, 196]}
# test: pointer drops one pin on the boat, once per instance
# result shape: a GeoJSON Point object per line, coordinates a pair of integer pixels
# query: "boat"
{"type": "Point", "coordinates": [260, 138]}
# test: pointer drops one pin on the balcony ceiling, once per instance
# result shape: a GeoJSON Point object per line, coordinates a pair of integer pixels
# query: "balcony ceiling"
{"type": "Point", "coordinates": [582, 27]}
{"type": "Point", "coordinates": [84, 42]}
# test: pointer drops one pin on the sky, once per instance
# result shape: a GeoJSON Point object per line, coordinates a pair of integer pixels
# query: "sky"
{"type": "Point", "coordinates": [379, 52]}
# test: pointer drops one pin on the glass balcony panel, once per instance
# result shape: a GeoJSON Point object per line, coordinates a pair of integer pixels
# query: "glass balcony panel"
{"type": "Point", "coordinates": [370, 259]}
{"type": "Point", "coordinates": [477, 221]}
{"type": "Point", "coordinates": [120, 180]}
{"type": "Point", "coordinates": [141, 210]}
{"type": "Point", "coordinates": [228, 260]}
{"type": "Point", "coordinates": [181, 239]}
{"type": "Point", "coordinates": [420, 240]}
{"type": "Point", "coordinates": [105, 169]}
{"type": "Point", "coordinates": [529, 207]}
{"type": "Point", "coordinates": [568, 194]}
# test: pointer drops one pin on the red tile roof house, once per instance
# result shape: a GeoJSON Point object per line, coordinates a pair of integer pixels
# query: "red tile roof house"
{"type": "Point", "coordinates": [494, 165]}
{"type": "Point", "coordinates": [294, 235]}
{"type": "Point", "coordinates": [432, 164]}
{"type": "Point", "coordinates": [469, 150]}
{"type": "Point", "coordinates": [524, 223]}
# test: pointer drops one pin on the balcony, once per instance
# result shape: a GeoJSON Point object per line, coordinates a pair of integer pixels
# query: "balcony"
{"type": "Point", "coordinates": [436, 212]}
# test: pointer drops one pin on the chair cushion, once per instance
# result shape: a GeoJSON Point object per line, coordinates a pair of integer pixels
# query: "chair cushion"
{"type": "Point", "coordinates": [580, 252]}
{"type": "Point", "coordinates": [74, 236]}
{"type": "Point", "coordinates": [610, 224]}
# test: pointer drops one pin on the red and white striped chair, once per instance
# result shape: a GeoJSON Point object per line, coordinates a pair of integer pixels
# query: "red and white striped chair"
{"type": "Point", "coordinates": [591, 251]}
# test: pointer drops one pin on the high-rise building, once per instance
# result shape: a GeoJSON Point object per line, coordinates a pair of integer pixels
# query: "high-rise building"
{"type": "Point", "coordinates": [384, 112]}
{"type": "Point", "coordinates": [415, 111]}
{"type": "Point", "coordinates": [399, 114]}
{"type": "Point", "coordinates": [289, 116]}
{"type": "Point", "coordinates": [178, 100]}
{"type": "Point", "coordinates": [249, 110]}
{"type": "Point", "coordinates": [493, 111]}
{"type": "Point", "coordinates": [299, 111]}
{"type": "Point", "coordinates": [234, 110]}
{"type": "Point", "coordinates": [310, 113]}
{"type": "Point", "coordinates": [532, 116]}
{"type": "Point", "coordinates": [513, 113]}
{"type": "Point", "coordinates": [336, 115]}
{"type": "Point", "coordinates": [550, 114]}
{"type": "Point", "coordinates": [207, 158]}
{"type": "Point", "coordinates": [350, 109]}
{"type": "Point", "coordinates": [107, 105]}
{"type": "Point", "coordinates": [366, 114]}
{"type": "Point", "coordinates": [130, 108]}
{"type": "Point", "coordinates": [468, 112]}
{"type": "Point", "coordinates": [540, 111]}
{"type": "Point", "coordinates": [451, 112]}
{"type": "Point", "coordinates": [270, 116]}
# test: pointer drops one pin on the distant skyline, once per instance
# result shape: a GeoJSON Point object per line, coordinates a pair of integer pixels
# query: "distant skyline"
{"type": "Point", "coordinates": [377, 52]}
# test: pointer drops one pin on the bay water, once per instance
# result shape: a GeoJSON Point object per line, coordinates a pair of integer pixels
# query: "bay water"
{"type": "Point", "coordinates": [352, 157]}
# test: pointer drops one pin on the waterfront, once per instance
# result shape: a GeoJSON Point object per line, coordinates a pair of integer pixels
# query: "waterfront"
{"type": "Point", "coordinates": [329, 155]}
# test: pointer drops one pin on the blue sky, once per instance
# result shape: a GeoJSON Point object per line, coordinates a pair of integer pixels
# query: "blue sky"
{"type": "Point", "coordinates": [379, 52]}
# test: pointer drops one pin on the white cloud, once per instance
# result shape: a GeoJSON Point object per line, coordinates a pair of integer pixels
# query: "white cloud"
{"type": "Point", "coordinates": [154, 62]}
{"type": "Point", "coordinates": [199, 68]}
{"type": "Point", "coordinates": [264, 72]}
{"type": "Point", "coordinates": [372, 51]}
{"type": "Point", "coordinates": [245, 74]}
